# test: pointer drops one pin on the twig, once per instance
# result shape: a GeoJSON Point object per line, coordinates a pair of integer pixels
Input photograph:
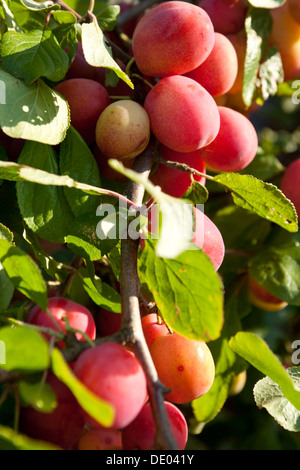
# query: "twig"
{"type": "Point", "coordinates": [131, 317]}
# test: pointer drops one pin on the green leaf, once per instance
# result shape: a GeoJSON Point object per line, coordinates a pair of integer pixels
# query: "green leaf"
{"type": "Point", "coordinates": [6, 234]}
{"type": "Point", "coordinates": [11, 440]}
{"type": "Point", "coordinates": [23, 273]}
{"type": "Point", "coordinates": [256, 351]}
{"type": "Point", "coordinates": [10, 21]}
{"type": "Point", "coordinates": [82, 238]}
{"type": "Point", "coordinates": [100, 292]}
{"type": "Point", "coordinates": [277, 269]}
{"type": "Point", "coordinates": [6, 289]}
{"type": "Point", "coordinates": [37, 6]}
{"type": "Point", "coordinates": [227, 364]}
{"type": "Point", "coordinates": [97, 52]}
{"type": "Point", "coordinates": [264, 199]}
{"type": "Point", "coordinates": [270, 73]}
{"type": "Point", "coordinates": [77, 161]}
{"type": "Point", "coordinates": [268, 395]}
{"type": "Point", "coordinates": [34, 112]}
{"type": "Point", "coordinates": [196, 193]}
{"type": "Point", "coordinates": [47, 262]}
{"type": "Point", "coordinates": [39, 395]}
{"type": "Point", "coordinates": [176, 216]}
{"type": "Point", "coordinates": [262, 67]}
{"type": "Point", "coordinates": [266, 3]}
{"type": "Point", "coordinates": [107, 17]}
{"type": "Point", "coordinates": [25, 19]}
{"type": "Point", "coordinates": [44, 208]}
{"type": "Point", "coordinates": [25, 349]}
{"type": "Point", "coordinates": [32, 55]}
{"type": "Point", "coordinates": [99, 409]}
{"type": "Point", "coordinates": [64, 17]}
{"type": "Point", "coordinates": [264, 166]}
{"type": "Point", "coordinates": [257, 25]}
{"type": "Point", "coordinates": [187, 290]}
{"type": "Point", "coordinates": [246, 236]}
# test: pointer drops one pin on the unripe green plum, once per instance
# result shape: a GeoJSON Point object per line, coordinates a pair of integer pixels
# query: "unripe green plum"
{"type": "Point", "coordinates": [184, 366]}
{"type": "Point", "coordinates": [123, 130]}
{"type": "Point", "coordinates": [173, 181]}
{"type": "Point", "coordinates": [289, 184]}
{"type": "Point", "coordinates": [87, 99]}
{"type": "Point", "coordinates": [183, 115]}
{"type": "Point", "coordinates": [236, 144]}
{"type": "Point", "coordinates": [140, 434]}
{"type": "Point", "coordinates": [172, 38]}
{"type": "Point", "coordinates": [218, 72]}
{"type": "Point", "coordinates": [227, 16]}
{"type": "Point", "coordinates": [114, 374]}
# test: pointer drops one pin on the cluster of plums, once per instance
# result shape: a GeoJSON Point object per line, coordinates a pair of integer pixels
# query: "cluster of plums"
{"type": "Point", "coordinates": [192, 57]}
{"type": "Point", "coordinates": [113, 373]}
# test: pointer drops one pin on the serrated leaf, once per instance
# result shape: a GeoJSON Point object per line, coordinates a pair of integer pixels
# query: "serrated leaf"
{"type": "Point", "coordinates": [23, 273]}
{"type": "Point", "coordinates": [34, 54]}
{"type": "Point", "coordinates": [5, 233]}
{"type": "Point", "coordinates": [34, 112]}
{"type": "Point", "coordinates": [97, 53]}
{"type": "Point", "coordinates": [256, 351]}
{"type": "Point", "coordinates": [44, 208]}
{"type": "Point", "coordinates": [265, 199]}
{"type": "Point", "coordinates": [196, 193]}
{"type": "Point", "coordinates": [25, 349]}
{"type": "Point", "coordinates": [100, 410]}
{"type": "Point", "coordinates": [107, 17]}
{"type": "Point", "coordinates": [268, 395]}
{"type": "Point", "coordinates": [277, 269]}
{"type": "Point", "coordinates": [77, 161]}
{"type": "Point", "coordinates": [187, 291]}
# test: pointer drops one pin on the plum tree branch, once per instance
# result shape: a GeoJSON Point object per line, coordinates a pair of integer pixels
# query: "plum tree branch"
{"type": "Point", "coordinates": [131, 317]}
